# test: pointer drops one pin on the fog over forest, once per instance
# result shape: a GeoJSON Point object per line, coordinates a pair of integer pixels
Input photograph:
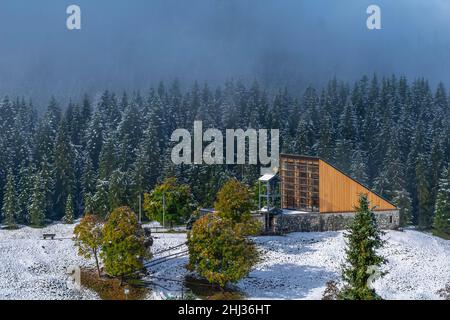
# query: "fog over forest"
{"type": "Point", "coordinates": [129, 45]}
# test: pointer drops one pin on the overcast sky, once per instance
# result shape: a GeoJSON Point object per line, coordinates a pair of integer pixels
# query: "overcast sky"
{"type": "Point", "coordinates": [132, 44]}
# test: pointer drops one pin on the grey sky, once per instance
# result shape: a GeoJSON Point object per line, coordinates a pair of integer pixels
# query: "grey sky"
{"type": "Point", "coordinates": [133, 44]}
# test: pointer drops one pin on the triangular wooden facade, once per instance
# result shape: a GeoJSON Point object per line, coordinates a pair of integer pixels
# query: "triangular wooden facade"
{"type": "Point", "coordinates": [340, 193]}
{"type": "Point", "coordinates": [313, 185]}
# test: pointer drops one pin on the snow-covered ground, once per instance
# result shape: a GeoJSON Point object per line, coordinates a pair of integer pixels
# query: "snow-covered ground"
{"type": "Point", "coordinates": [298, 265]}
{"type": "Point", "coordinates": [163, 274]}
{"type": "Point", "coordinates": [34, 269]}
{"type": "Point", "coordinates": [295, 266]}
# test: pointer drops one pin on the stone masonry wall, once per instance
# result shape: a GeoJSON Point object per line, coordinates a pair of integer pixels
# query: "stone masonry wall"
{"type": "Point", "coordinates": [309, 222]}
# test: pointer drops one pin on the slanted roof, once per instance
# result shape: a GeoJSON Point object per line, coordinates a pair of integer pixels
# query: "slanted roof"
{"type": "Point", "coordinates": [267, 177]}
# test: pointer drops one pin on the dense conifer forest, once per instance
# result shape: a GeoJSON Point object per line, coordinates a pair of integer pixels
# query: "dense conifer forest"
{"type": "Point", "coordinates": [99, 153]}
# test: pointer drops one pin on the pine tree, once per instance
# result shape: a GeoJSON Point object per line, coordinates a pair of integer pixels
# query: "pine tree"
{"type": "Point", "coordinates": [100, 200]}
{"type": "Point", "coordinates": [390, 180]}
{"type": "Point", "coordinates": [46, 176]}
{"type": "Point", "coordinates": [128, 136]}
{"type": "Point", "coordinates": [363, 241]}
{"type": "Point", "coordinates": [326, 142]}
{"type": "Point", "coordinates": [302, 139]}
{"type": "Point", "coordinates": [424, 212]}
{"type": "Point", "coordinates": [146, 169]}
{"type": "Point", "coordinates": [94, 139]}
{"type": "Point", "coordinates": [69, 211]}
{"type": "Point", "coordinates": [108, 160]}
{"type": "Point", "coordinates": [358, 167]}
{"type": "Point", "coordinates": [64, 171]}
{"type": "Point", "coordinates": [10, 202]}
{"type": "Point", "coordinates": [117, 191]}
{"type": "Point", "coordinates": [86, 112]}
{"type": "Point", "coordinates": [441, 220]}
{"type": "Point", "coordinates": [88, 185]}
{"type": "Point", "coordinates": [38, 204]}
{"type": "Point", "coordinates": [402, 200]}
{"type": "Point", "coordinates": [25, 189]}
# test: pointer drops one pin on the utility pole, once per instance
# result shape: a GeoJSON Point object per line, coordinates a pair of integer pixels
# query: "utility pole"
{"type": "Point", "coordinates": [140, 208]}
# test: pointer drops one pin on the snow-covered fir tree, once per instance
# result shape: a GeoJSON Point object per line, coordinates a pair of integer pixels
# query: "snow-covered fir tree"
{"type": "Point", "coordinates": [363, 242]}
{"type": "Point", "coordinates": [69, 211]}
{"type": "Point", "coordinates": [10, 202]}
{"type": "Point", "coordinates": [38, 203]}
{"type": "Point", "coordinates": [441, 220]}
{"type": "Point", "coordinates": [375, 129]}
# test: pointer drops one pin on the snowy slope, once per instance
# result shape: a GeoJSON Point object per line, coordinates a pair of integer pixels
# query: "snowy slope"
{"type": "Point", "coordinates": [295, 266]}
{"type": "Point", "coordinates": [298, 266]}
{"type": "Point", "coordinates": [32, 268]}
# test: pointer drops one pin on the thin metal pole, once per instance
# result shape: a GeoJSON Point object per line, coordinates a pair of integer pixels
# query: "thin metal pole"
{"type": "Point", "coordinates": [259, 195]}
{"type": "Point", "coordinates": [140, 209]}
{"type": "Point", "coordinates": [164, 209]}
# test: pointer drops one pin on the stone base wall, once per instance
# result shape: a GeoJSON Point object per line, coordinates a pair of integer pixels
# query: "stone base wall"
{"type": "Point", "coordinates": [310, 222]}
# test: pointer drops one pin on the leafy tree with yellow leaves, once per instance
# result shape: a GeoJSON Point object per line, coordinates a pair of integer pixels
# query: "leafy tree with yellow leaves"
{"type": "Point", "coordinates": [88, 238]}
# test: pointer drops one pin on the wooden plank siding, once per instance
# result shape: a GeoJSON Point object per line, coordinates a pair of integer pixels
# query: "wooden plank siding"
{"type": "Point", "coordinates": [339, 193]}
{"type": "Point", "coordinates": [299, 183]}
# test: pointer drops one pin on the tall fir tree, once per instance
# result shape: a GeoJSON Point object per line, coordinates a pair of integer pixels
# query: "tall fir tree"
{"type": "Point", "coordinates": [64, 171]}
{"type": "Point", "coordinates": [402, 200]}
{"type": "Point", "coordinates": [25, 189]}
{"type": "Point", "coordinates": [364, 239]}
{"type": "Point", "coordinates": [441, 220]}
{"type": "Point", "coordinates": [100, 200]}
{"type": "Point", "coordinates": [108, 160]}
{"type": "Point", "coordinates": [88, 181]}
{"type": "Point", "coordinates": [69, 211]}
{"type": "Point", "coordinates": [38, 203]}
{"type": "Point", "coordinates": [358, 168]}
{"type": "Point", "coordinates": [10, 202]}
{"type": "Point", "coordinates": [424, 211]}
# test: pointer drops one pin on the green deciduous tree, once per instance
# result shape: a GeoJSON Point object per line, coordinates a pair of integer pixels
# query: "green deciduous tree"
{"type": "Point", "coordinates": [220, 251]}
{"type": "Point", "coordinates": [234, 201]}
{"type": "Point", "coordinates": [177, 199]}
{"type": "Point", "coordinates": [123, 248]}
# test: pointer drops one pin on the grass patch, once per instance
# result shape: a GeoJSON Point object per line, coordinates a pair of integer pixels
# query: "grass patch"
{"type": "Point", "coordinates": [110, 288]}
{"type": "Point", "coordinates": [440, 234]}
{"type": "Point", "coordinates": [175, 231]}
{"type": "Point", "coordinates": [10, 228]}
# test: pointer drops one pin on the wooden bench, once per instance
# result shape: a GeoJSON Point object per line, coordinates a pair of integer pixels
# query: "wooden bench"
{"type": "Point", "coordinates": [49, 235]}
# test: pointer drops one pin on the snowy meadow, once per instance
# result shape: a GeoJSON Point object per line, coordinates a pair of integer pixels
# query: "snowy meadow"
{"type": "Point", "coordinates": [295, 266]}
